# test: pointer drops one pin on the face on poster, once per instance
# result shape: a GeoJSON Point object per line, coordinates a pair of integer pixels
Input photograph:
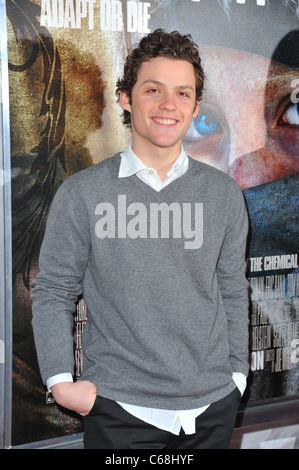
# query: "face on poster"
{"type": "Point", "coordinates": [65, 57]}
{"type": "Point", "coordinates": [248, 125]}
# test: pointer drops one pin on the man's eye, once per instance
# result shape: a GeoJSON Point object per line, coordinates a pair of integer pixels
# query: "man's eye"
{"type": "Point", "coordinates": [290, 116]}
{"type": "Point", "coordinates": [204, 125]}
{"type": "Point", "coordinates": [153, 90]}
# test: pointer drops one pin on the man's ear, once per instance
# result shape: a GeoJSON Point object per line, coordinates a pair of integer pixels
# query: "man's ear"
{"type": "Point", "coordinates": [124, 101]}
{"type": "Point", "coordinates": [196, 109]}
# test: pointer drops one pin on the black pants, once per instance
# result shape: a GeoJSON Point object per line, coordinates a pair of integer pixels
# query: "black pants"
{"type": "Point", "coordinates": [109, 426]}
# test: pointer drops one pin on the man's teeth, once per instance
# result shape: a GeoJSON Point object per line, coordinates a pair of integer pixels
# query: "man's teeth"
{"type": "Point", "coordinates": [165, 121]}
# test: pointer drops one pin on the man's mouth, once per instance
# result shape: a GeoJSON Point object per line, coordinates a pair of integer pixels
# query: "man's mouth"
{"type": "Point", "coordinates": [165, 121]}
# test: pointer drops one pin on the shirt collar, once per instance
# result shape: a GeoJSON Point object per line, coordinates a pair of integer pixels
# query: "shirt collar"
{"type": "Point", "coordinates": [130, 164]}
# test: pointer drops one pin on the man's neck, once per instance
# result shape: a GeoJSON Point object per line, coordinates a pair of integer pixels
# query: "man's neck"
{"type": "Point", "coordinates": [161, 160]}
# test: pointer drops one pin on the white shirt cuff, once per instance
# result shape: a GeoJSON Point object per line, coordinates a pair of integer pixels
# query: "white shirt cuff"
{"type": "Point", "coordinates": [59, 378]}
{"type": "Point", "coordinates": [240, 381]}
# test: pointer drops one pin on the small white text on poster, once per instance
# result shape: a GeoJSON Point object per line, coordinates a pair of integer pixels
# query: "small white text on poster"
{"type": "Point", "coordinates": [271, 263]}
{"type": "Point", "coordinates": [70, 14]}
{"type": "Point", "coordinates": [274, 317]}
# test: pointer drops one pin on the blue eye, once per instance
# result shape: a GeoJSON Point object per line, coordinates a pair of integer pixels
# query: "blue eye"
{"type": "Point", "coordinates": [206, 124]}
{"type": "Point", "coordinates": [291, 115]}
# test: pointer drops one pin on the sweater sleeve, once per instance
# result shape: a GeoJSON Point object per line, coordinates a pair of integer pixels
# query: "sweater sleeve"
{"type": "Point", "coordinates": [55, 290]}
{"type": "Point", "coordinates": [231, 274]}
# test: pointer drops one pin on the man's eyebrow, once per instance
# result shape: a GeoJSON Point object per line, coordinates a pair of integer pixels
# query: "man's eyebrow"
{"type": "Point", "coordinates": [151, 80]}
{"type": "Point", "coordinates": [273, 82]}
{"type": "Point", "coordinates": [157, 82]}
{"type": "Point", "coordinates": [185, 87]}
{"type": "Point", "coordinates": [282, 79]}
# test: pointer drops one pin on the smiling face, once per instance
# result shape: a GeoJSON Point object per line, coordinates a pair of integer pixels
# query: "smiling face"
{"type": "Point", "coordinates": [162, 106]}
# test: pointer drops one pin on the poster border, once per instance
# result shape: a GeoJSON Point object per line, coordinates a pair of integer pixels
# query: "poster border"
{"type": "Point", "coordinates": [252, 410]}
{"type": "Point", "coordinates": [6, 240]}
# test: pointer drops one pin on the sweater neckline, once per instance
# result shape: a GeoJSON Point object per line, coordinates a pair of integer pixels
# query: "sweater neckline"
{"type": "Point", "coordinates": [133, 179]}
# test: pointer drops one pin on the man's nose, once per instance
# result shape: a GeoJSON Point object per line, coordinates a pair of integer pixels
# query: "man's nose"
{"type": "Point", "coordinates": [168, 102]}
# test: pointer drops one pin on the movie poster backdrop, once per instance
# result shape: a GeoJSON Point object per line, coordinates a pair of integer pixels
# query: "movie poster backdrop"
{"type": "Point", "coordinates": [64, 59]}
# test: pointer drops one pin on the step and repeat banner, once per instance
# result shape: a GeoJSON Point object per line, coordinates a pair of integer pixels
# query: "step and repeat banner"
{"type": "Point", "coordinates": [64, 59]}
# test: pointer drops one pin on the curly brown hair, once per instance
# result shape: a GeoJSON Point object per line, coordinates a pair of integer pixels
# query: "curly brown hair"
{"type": "Point", "coordinates": [159, 44]}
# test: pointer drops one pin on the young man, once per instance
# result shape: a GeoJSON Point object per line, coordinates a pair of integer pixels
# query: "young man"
{"type": "Point", "coordinates": [155, 242]}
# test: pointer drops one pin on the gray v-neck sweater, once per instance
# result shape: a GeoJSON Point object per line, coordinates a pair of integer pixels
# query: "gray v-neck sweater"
{"type": "Point", "coordinates": [163, 278]}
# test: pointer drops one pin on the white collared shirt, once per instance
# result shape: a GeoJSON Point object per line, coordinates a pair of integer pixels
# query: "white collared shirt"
{"type": "Point", "coordinates": [131, 165]}
{"type": "Point", "coordinates": [168, 420]}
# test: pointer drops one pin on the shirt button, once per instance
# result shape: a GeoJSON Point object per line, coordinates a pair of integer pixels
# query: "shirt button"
{"type": "Point", "coordinates": [151, 172]}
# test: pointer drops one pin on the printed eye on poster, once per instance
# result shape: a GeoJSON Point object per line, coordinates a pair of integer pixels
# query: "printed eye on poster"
{"type": "Point", "coordinates": [64, 58]}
